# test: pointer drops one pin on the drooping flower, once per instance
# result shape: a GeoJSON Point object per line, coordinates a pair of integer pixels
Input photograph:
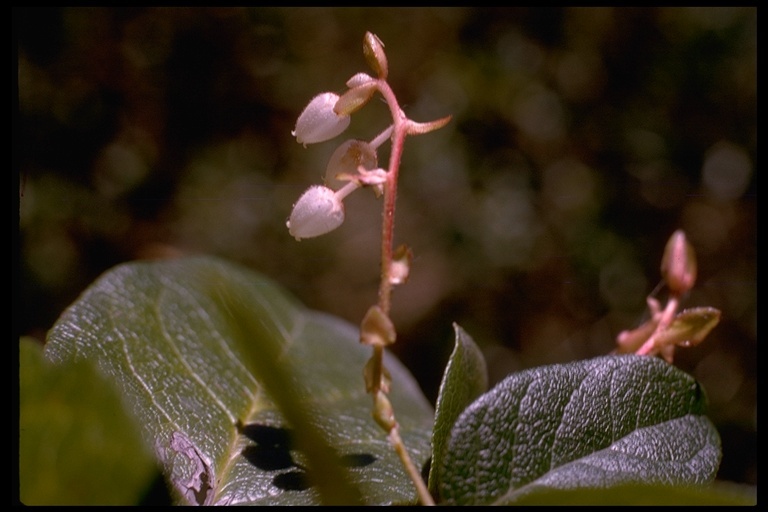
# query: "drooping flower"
{"type": "Point", "coordinates": [318, 211]}
{"type": "Point", "coordinates": [318, 122]}
{"type": "Point", "coordinates": [346, 160]}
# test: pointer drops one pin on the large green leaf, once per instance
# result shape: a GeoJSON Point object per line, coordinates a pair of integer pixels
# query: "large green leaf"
{"type": "Point", "coordinates": [465, 378]}
{"type": "Point", "coordinates": [635, 494]}
{"type": "Point", "coordinates": [598, 423]}
{"type": "Point", "coordinates": [236, 384]}
{"type": "Point", "coordinates": [77, 443]}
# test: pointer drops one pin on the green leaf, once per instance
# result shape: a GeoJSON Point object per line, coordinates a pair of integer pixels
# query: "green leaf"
{"type": "Point", "coordinates": [597, 423]}
{"type": "Point", "coordinates": [465, 378]}
{"type": "Point", "coordinates": [235, 383]}
{"type": "Point", "coordinates": [77, 443]}
{"type": "Point", "coordinates": [635, 494]}
{"type": "Point", "coordinates": [690, 326]}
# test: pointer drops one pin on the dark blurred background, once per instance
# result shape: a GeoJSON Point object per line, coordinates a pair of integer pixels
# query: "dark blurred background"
{"type": "Point", "coordinates": [581, 139]}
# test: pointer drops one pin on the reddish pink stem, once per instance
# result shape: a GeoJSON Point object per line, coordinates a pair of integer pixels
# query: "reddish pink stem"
{"type": "Point", "coordinates": [400, 130]}
{"type": "Point", "coordinates": [399, 133]}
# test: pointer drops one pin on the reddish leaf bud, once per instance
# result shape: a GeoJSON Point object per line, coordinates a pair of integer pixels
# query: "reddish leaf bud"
{"type": "Point", "coordinates": [678, 265]}
{"type": "Point", "coordinates": [373, 49]}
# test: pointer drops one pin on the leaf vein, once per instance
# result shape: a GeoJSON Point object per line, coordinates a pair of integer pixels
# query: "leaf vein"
{"type": "Point", "coordinates": [180, 356]}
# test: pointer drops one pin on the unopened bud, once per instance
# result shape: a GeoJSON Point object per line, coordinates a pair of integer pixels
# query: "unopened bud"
{"type": "Point", "coordinates": [318, 211]}
{"type": "Point", "coordinates": [373, 49]}
{"type": "Point", "coordinates": [678, 265]}
{"type": "Point", "coordinates": [318, 121]}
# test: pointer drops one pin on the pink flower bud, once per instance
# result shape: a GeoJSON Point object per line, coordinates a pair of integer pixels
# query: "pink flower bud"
{"type": "Point", "coordinates": [678, 265]}
{"type": "Point", "coordinates": [318, 122]}
{"type": "Point", "coordinates": [318, 211]}
{"type": "Point", "coordinates": [373, 49]}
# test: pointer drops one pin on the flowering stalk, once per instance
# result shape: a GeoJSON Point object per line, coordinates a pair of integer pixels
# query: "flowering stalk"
{"type": "Point", "coordinates": [401, 128]}
{"type": "Point", "coordinates": [320, 210]}
{"type": "Point", "coordinates": [667, 329]}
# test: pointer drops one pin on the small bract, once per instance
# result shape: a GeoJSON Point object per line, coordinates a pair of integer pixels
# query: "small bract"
{"type": "Point", "coordinates": [318, 211]}
{"type": "Point", "coordinates": [318, 122]}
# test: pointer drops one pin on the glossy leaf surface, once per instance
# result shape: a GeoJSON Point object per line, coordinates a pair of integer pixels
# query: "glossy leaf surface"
{"type": "Point", "coordinates": [211, 355]}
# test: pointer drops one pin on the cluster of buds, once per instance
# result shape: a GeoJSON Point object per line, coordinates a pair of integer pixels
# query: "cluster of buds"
{"type": "Point", "coordinates": [667, 329]}
{"type": "Point", "coordinates": [354, 163]}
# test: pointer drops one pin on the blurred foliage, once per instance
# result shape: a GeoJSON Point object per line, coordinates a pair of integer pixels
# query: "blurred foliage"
{"type": "Point", "coordinates": [81, 447]}
{"type": "Point", "coordinates": [581, 139]}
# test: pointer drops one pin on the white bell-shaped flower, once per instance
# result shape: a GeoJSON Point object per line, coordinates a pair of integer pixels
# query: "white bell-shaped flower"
{"type": "Point", "coordinates": [318, 211]}
{"type": "Point", "coordinates": [347, 158]}
{"type": "Point", "coordinates": [318, 122]}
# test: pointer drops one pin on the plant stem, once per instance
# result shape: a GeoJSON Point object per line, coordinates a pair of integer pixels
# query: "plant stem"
{"type": "Point", "coordinates": [424, 496]}
{"type": "Point", "coordinates": [383, 136]}
{"type": "Point", "coordinates": [399, 130]}
{"type": "Point", "coordinates": [664, 321]}
{"type": "Point", "coordinates": [347, 189]}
